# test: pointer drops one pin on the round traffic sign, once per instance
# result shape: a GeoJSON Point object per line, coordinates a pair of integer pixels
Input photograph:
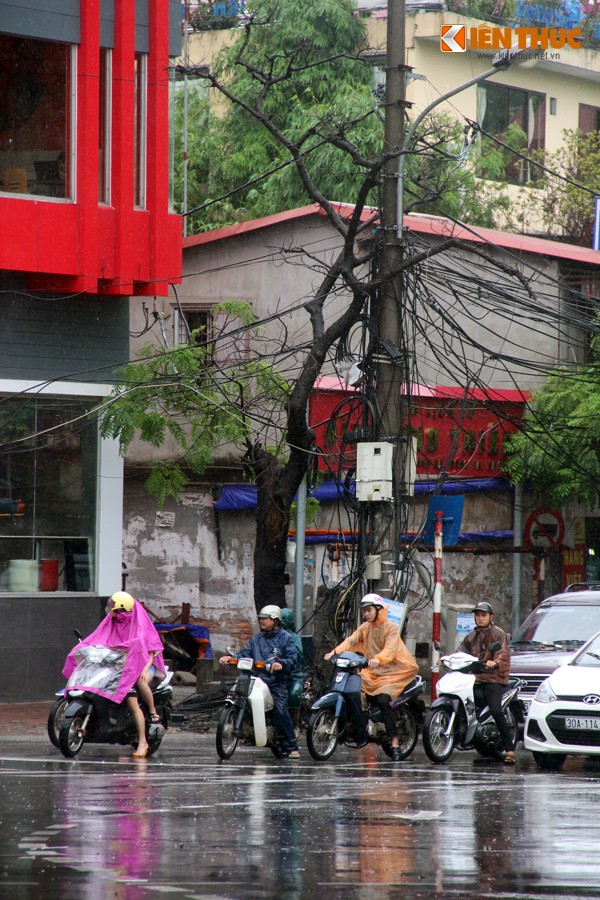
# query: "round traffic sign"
{"type": "Point", "coordinates": [545, 528]}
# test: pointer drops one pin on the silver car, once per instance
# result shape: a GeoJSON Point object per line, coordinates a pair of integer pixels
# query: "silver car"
{"type": "Point", "coordinates": [551, 634]}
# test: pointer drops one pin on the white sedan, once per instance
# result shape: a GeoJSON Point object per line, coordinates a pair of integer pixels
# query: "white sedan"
{"type": "Point", "coordinates": [564, 716]}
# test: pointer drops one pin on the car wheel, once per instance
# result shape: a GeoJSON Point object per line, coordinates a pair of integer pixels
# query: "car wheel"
{"type": "Point", "coordinates": [549, 761]}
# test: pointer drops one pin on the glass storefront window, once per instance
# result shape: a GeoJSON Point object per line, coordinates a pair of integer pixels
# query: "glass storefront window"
{"type": "Point", "coordinates": [48, 478]}
{"type": "Point", "coordinates": [139, 132]}
{"type": "Point", "coordinates": [105, 126]}
{"type": "Point", "coordinates": [36, 88]}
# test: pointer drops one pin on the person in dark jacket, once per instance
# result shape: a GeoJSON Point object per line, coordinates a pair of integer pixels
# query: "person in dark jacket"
{"type": "Point", "coordinates": [490, 684]}
{"type": "Point", "coordinates": [276, 647]}
{"type": "Point", "coordinates": [297, 673]}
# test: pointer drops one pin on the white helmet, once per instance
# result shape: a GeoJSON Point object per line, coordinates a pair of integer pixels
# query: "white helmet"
{"type": "Point", "coordinates": [372, 600]}
{"type": "Point", "coordinates": [270, 612]}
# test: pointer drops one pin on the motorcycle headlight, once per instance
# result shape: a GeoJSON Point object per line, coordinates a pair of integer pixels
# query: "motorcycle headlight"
{"type": "Point", "coordinates": [544, 693]}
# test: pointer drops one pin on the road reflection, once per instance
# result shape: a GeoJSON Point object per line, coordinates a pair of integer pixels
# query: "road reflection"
{"type": "Point", "coordinates": [356, 827]}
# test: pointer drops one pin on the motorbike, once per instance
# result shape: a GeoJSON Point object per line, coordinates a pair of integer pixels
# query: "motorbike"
{"type": "Point", "coordinates": [331, 722]}
{"type": "Point", "coordinates": [57, 710]}
{"type": "Point", "coordinates": [91, 718]}
{"type": "Point", "coordinates": [247, 713]}
{"type": "Point", "coordinates": [453, 719]}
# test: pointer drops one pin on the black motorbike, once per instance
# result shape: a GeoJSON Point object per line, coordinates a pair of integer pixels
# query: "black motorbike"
{"type": "Point", "coordinates": [90, 718]}
{"type": "Point", "coordinates": [331, 721]}
{"type": "Point", "coordinates": [57, 710]}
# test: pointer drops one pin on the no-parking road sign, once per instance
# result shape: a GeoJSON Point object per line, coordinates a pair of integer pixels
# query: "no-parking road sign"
{"type": "Point", "coordinates": [544, 529]}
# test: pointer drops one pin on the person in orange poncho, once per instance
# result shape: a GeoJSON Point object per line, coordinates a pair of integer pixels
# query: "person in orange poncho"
{"type": "Point", "coordinates": [391, 666]}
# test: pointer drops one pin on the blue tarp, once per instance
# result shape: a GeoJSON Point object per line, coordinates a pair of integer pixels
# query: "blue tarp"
{"type": "Point", "coordinates": [243, 496]}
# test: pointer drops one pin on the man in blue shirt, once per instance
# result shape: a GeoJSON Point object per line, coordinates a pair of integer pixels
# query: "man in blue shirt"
{"type": "Point", "coordinates": [274, 646]}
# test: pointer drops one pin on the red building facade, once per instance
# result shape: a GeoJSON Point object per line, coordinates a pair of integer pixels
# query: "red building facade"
{"type": "Point", "coordinates": [85, 225]}
{"type": "Point", "coordinates": [84, 148]}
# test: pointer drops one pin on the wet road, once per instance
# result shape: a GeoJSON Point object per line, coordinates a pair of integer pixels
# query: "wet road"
{"type": "Point", "coordinates": [185, 825]}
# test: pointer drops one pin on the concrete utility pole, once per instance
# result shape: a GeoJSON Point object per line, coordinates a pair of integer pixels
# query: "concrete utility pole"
{"type": "Point", "coordinates": [390, 375]}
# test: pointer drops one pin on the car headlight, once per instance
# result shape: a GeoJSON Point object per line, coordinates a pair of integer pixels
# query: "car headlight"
{"type": "Point", "coordinates": [544, 693]}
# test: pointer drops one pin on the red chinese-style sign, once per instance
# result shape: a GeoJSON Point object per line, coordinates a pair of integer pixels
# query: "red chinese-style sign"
{"type": "Point", "coordinates": [545, 528]}
{"type": "Point", "coordinates": [574, 560]}
{"type": "Point", "coordinates": [334, 411]}
{"type": "Point", "coordinates": [459, 432]}
{"type": "Point", "coordinates": [463, 432]}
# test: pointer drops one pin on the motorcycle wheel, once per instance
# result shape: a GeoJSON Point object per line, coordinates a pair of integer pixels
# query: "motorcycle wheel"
{"type": "Point", "coordinates": [514, 730]}
{"type": "Point", "coordinates": [55, 719]}
{"type": "Point", "coordinates": [322, 734]}
{"type": "Point", "coordinates": [437, 745]}
{"type": "Point", "coordinates": [407, 731]}
{"type": "Point", "coordinates": [70, 736]}
{"type": "Point", "coordinates": [549, 761]}
{"type": "Point", "coordinates": [227, 737]}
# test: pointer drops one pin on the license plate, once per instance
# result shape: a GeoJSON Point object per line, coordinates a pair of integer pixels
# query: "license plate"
{"type": "Point", "coordinates": [583, 724]}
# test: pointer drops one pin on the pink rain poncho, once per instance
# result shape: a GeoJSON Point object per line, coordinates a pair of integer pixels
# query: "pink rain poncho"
{"type": "Point", "coordinates": [132, 632]}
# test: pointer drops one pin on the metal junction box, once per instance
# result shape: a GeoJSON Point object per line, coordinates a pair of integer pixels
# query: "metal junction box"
{"type": "Point", "coordinates": [374, 471]}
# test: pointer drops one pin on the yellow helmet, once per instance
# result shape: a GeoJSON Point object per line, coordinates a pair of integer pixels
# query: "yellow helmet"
{"type": "Point", "coordinates": [121, 600]}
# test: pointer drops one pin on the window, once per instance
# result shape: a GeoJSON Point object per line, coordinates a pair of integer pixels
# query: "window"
{"type": "Point", "coordinates": [589, 118]}
{"type": "Point", "coordinates": [104, 160]}
{"type": "Point", "coordinates": [498, 107]}
{"type": "Point", "coordinates": [141, 100]}
{"type": "Point", "coordinates": [188, 320]}
{"type": "Point", "coordinates": [48, 482]}
{"type": "Point", "coordinates": [36, 117]}
{"type": "Point", "coordinates": [228, 342]}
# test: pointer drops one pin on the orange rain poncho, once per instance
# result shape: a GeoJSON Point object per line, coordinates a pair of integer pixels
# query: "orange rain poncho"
{"type": "Point", "coordinates": [382, 639]}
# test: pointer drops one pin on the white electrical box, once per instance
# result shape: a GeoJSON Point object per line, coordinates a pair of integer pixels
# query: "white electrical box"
{"type": "Point", "coordinates": [374, 471]}
{"type": "Point", "coordinates": [373, 567]}
{"type": "Point", "coordinates": [409, 466]}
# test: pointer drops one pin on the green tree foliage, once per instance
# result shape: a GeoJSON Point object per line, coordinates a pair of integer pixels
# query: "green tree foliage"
{"type": "Point", "coordinates": [558, 449]}
{"type": "Point", "coordinates": [318, 87]}
{"type": "Point", "coordinates": [566, 210]}
{"type": "Point", "coordinates": [320, 96]}
{"type": "Point", "coordinates": [186, 396]}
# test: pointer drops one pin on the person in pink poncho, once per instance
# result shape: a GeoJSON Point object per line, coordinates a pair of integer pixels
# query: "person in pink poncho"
{"type": "Point", "coordinates": [127, 626]}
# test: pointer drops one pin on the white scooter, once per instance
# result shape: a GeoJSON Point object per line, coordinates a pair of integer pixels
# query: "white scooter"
{"type": "Point", "coordinates": [248, 710]}
{"type": "Point", "coordinates": [453, 720]}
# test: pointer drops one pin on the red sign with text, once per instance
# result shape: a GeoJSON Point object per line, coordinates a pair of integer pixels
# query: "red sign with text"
{"type": "Point", "coordinates": [459, 432]}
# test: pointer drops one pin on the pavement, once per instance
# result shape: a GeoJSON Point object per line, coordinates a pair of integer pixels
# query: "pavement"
{"type": "Point", "coordinates": [30, 719]}
{"type": "Point", "coordinates": [24, 719]}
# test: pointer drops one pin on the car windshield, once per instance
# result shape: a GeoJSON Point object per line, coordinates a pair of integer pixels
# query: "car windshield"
{"type": "Point", "coordinates": [589, 656]}
{"type": "Point", "coordinates": [558, 627]}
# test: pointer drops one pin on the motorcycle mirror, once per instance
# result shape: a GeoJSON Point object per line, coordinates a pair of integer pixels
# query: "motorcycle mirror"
{"type": "Point", "coordinates": [495, 646]}
{"type": "Point", "coordinates": [78, 634]}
